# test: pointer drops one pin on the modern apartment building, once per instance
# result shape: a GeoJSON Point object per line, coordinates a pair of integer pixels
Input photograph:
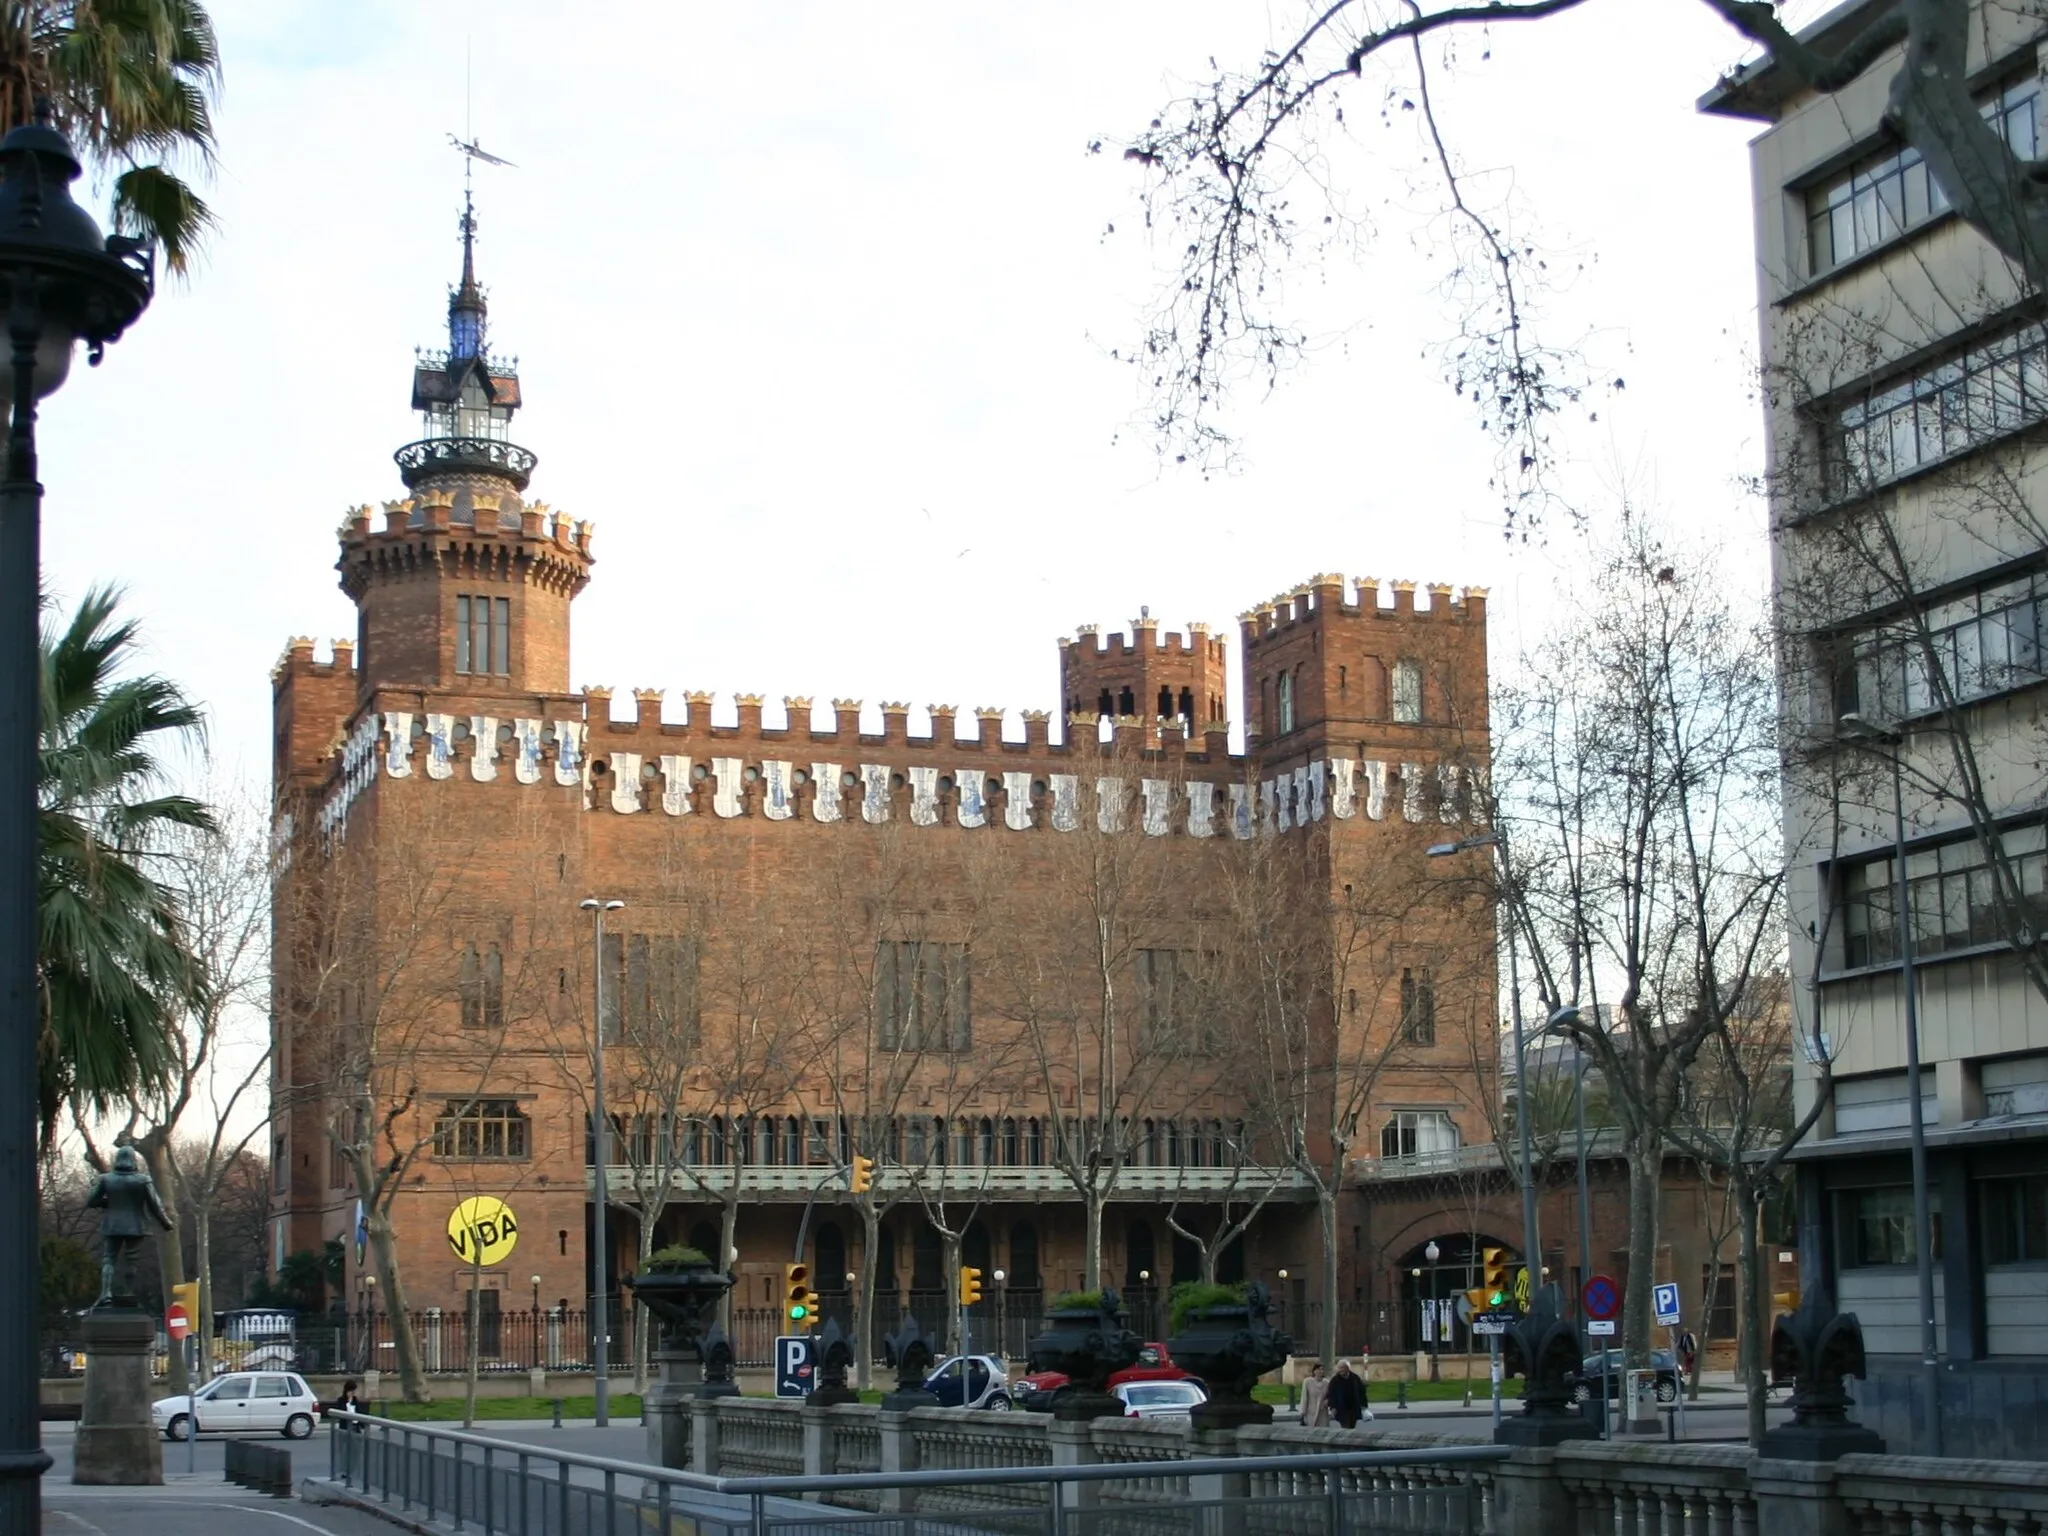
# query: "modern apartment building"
{"type": "Point", "coordinates": [1906, 380]}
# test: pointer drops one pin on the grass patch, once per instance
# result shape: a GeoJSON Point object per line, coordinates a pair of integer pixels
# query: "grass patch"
{"type": "Point", "coordinates": [1384, 1394]}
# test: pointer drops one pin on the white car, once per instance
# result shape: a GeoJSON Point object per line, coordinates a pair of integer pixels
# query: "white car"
{"type": "Point", "coordinates": [1159, 1399]}
{"type": "Point", "coordinates": [239, 1402]}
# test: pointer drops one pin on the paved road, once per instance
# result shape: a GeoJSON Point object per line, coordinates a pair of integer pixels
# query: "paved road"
{"type": "Point", "coordinates": [194, 1509]}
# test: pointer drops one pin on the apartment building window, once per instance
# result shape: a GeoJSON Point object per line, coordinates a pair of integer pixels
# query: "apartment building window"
{"type": "Point", "coordinates": [1414, 1135]}
{"type": "Point", "coordinates": [923, 997]}
{"type": "Point", "coordinates": [1418, 1006]}
{"type": "Point", "coordinates": [1951, 893]}
{"type": "Point", "coordinates": [1408, 691]}
{"type": "Point", "coordinates": [481, 987]}
{"type": "Point", "coordinates": [1891, 192]}
{"type": "Point", "coordinates": [1938, 412]}
{"type": "Point", "coordinates": [2013, 1216]}
{"type": "Point", "coordinates": [483, 635]}
{"type": "Point", "coordinates": [482, 1128]}
{"type": "Point", "coordinates": [1874, 1227]}
{"type": "Point", "coordinates": [1981, 643]}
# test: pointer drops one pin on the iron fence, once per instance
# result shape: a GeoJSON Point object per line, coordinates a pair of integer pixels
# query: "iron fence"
{"type": "Point", "coordinates": [498, 1486]}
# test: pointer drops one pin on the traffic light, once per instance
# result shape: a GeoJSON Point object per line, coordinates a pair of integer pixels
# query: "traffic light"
{"type": "Point", "coordinates": [860, 1178]}
{"type": "Point", "coordinates": [1476, 1300]}
{"type": "Point", "coordinates": [799, 1301]}
{"type": "Point", "coordinates": [1785, 1301]}
{"type": "Point", "coordinates": [1493, 1278]}
{"type": "Point", "coordinates": [186, 1294]}
{"type": "Point", "coordinates": [970, 1286]}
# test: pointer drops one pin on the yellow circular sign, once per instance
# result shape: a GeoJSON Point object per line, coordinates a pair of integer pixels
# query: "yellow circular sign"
{"type": "Point", "coordinates": [482, 1231]}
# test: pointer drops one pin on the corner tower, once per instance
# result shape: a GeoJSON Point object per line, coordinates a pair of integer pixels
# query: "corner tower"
{"type": "Point", "coordinates": [1149, 675]}
{"type": "Point", "coordinates": [464, 583]}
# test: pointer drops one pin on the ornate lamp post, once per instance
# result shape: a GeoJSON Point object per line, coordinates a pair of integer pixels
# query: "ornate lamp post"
{"type": "Point", "coordinates": [1436, 1323]}
{"type": "Point", "coordinates": [60, 284]}
{"type": "Point", "coordinates": [600, 1254]}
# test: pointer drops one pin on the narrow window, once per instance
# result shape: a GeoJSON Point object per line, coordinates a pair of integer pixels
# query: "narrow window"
{"type": "Point", "coordinates": [1286, 702]}
{"type": "Point", "coordinates": [494, 988]}
{"type": "Point", "coordinates": [501, 636]}
{"type": "Point", "coordinates": [480, 634]}
{"type": "Point", "coordinates": [462, 634]}
{"type": "Point", "coordinates": [1125, 704]}
{"type": "Point", "coordinates": [1408, 691]}
{"type": "Point", "coordinates": [469, 989]}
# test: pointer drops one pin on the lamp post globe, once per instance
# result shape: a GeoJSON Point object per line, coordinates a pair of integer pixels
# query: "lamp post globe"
{"type": "Point", "coordinates": [1436, 1329]}
{"type": "Point", "coordinates": [61, 283]}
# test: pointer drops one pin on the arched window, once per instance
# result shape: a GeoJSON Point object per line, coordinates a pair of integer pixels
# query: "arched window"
{"type": "Point", "coordinates": [885, 1263]}
{"type": "Point", "coordinates": [1187, 706]}
{"type": "Point", "coordinates": [1106, 705]}
{"type": "Point", "coordinates": [1138, 1251]}
{"type": "Point", "coordinates": [1286, 702]}
{"type": "Point", "coordinates": [1165, 702]}
{"type": "Point", "coordinates": [1125, 703]}
{"type": "Point", "coordinates": [987, 1155]}
{"type": "Point", "coordinates": [927, 1259]}
{"type": "Point", "coordinates": [1151, 1151]}
{"type": "Point", "coordinates": [974, 1251]}
{"type": "Point", "coordinates": [1034, 1148]}
{"type": "Point", "coordinates": [916, 1153]}
{"type": "Point", "coordinates": [829, 1271]}
{"type": "Point", "coordinates": [1172, 1144]}
{"type": "Point", "coordinates": [1408, 691]}
{"type": "Point", "coordinates": [1216, 1158]}
{"type": "Point", "coordinates": [766, 1147]}
{"type": "Point", "coordinates": [793, 1141]}
{"type": "Point", "coordinates": [1024, 1257]}
{"type": "Point", "coordinates": [719, 1151]}
{"type": "Point", "coordinates": [1011, 1158]}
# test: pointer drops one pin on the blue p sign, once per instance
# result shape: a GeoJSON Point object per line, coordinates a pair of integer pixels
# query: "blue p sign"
{"type": "Point", "coordinates": [792, 1365]}
{"type": "Point", "coordinates": [1665, 1299]}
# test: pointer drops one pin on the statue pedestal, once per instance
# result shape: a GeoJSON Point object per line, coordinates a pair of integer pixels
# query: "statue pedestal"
{"type": "Point", "coordinates": [117, 1440]}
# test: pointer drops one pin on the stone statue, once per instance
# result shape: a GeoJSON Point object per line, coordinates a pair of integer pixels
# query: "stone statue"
{"type": "Point", "coordinates": [128, 1195]}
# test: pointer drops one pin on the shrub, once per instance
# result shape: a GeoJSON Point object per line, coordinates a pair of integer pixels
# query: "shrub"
{"type": "Point", "coordinates": [1069, 1301]}
{"type": "Point", "coordinates": [1191, 1296]}
{"type": "Point", "coordinates": [677, 1256]}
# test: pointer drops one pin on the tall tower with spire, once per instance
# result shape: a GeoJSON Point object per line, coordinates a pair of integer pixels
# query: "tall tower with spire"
{"type": "Point", "coordinates": [465, 584]}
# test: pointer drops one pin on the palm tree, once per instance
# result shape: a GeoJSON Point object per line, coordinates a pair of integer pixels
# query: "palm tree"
{"type": "Point", "coordinates": [131, 82]}
{"type": "Point", "coordinates": [113, 962]}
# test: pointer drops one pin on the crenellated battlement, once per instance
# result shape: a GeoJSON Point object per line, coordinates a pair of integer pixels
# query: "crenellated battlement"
{"type": "Point", "coordinates": [299, 659]}
{"type": "Point", "coordinates": [484, 515]}
{"type": "Point", "coordinates": [1368, 597]}
{"type": "Point", "coordinates": [1144, 639]}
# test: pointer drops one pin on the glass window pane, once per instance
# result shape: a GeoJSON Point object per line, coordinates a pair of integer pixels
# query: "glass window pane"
{"type": "Point", "coordinates": [461, 634]}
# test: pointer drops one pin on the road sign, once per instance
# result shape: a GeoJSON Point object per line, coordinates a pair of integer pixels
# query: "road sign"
{"type": "Point", "coordinates": [1601, 1296]}
{"type": "Point", "coordinates": [1463, 1307]}
{"type": "Point", "coordinates": [1488, 1323]}
{"type": "Point", "coordinates": [1601, 1326]}
{"type": "Point", "coordinates": [1665, 1298]}
{"type": "Point", "coordinates": [792, 1364]}
{"type": "Point", "coordinates": [176, 1322]}
{"type": "Point", "coordinates": [482, 1231]}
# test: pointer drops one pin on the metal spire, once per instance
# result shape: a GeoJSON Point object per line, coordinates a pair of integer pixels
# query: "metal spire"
{"type": "Point", "coordinates": [467, 311]}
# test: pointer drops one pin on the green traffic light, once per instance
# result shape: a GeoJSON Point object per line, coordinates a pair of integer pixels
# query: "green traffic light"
{"type": "Point", "coordinates": [798, 1314]}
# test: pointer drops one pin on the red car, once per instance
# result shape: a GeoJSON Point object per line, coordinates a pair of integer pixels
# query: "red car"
{"type": "Point", "coordinates": [1034, 1393]}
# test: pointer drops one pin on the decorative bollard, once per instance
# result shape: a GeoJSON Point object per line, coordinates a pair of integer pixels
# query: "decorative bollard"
{"type": "Point", "coordinates": [558, 1413]}
{"type": "Point", "coordinates": [1401, 1393]}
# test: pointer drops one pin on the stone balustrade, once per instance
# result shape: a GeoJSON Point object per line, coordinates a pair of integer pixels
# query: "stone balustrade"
{"type": "Point", "coordinates": [1579, 1488]}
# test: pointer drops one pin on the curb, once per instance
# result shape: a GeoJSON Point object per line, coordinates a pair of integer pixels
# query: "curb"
{"type": "Point", "coordinates": [326, 1493]}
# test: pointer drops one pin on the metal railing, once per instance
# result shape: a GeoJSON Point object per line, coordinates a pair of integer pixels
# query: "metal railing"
{"type": "Point", "coordinates": [504, 1488]}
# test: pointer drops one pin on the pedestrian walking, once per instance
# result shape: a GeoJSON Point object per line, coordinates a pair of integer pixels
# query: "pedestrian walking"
{"type": "Point", "coordinates": [1347, 1397]}
{"type": "Point", "coordinates": [1315, 1399]}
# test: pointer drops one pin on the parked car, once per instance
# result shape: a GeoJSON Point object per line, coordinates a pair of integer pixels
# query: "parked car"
{"type": "Point", "coordinates": [970, 1381]}
{"type": "Point", "coordinates": [1160, 1399]}
{"type": "Point", "coordinates": [239, 1402]}
{"type": "Point", "coordinates": [1034, 1392]}
{"type": "Point", "coordinates": [1585, 1382]}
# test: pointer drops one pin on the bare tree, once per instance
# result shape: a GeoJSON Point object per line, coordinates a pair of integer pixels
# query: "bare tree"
{"type": "Point", "coordinates": [1642, 858]}
{"type": "Point", "coordinates": [1237, 186]}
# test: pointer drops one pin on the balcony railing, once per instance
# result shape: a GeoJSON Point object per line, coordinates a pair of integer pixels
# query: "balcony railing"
{"type": "Point", "coordinates": [784, 1182]}
{"type": "Point", "coordinates": [455, 455]}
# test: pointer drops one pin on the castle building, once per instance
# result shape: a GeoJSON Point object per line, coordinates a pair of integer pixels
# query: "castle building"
{"type": "Point", "coordinates": [1014, 968]}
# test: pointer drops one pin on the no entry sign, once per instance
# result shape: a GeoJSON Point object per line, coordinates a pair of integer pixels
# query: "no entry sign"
{"type": "Point", "coordinates": [1602, 1297]}
{"type": "Point", "coordinates": [176, 1323]}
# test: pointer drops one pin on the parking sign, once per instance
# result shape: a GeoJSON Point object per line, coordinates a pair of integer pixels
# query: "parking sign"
{"type": "Point", "coordinates": [1665, 1298]}
{"type": "Point", "coordinates": [793, 1365]}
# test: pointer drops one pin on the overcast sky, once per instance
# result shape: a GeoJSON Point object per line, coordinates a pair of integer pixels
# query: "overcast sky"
{"type": "Point", "coordinates": [813, 305]}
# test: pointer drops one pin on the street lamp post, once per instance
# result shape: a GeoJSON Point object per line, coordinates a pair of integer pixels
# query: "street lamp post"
{"type": "Point", "coordinates": [1532, 1250]}
{"type": "Point", "coordinates": [600, 1255]}
{"type": "Point", "coordinates": [1002, 1334]}
{"type": "Point", "coordinates": [1436, 1320]}
{"type": "Point", "coordinates": [1558, 1023]}
{"type": "Point", "coordinates": [60, 283]}
{"type": "Point", "coordinates": [1861, 729]}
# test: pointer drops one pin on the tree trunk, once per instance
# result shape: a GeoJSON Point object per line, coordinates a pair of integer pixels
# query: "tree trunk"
{"type": "Point", "coordinates": [1326, 1218]}
{"type": "Point", "coordinates": [412, 1375]}
{"type": "Point", "coordinates": [170, 1247]}
{"type": "Point", "coordinates": [641, 1317]}
{"type": "Point", "coordinates": [949, 1259]}
{"type": "Point", "coordinates": [470, 1353]}
{"type": "Point", "coordinates": [1645, 1167]}
{"type": "Point", "coordinates": [864, 1295]}
{"type": "Point", "coordinates": [202, 1254]}
{"type": "Point", "coordinates": [728, 1239]}
{"type": "Point", "coordinates": [1091, 1258]}
{"type": "Point", "coordinates": [1754, 1348]}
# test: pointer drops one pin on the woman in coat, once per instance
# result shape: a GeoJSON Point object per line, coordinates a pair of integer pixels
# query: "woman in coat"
{"type": "Point", "coordinates": [1315, 1399]}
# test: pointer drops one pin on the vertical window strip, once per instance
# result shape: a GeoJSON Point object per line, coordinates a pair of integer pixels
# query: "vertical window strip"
{"type": "Point", "coordinates": [501, 636]}
{"type": "Point", "coordinates": [462, 634]}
